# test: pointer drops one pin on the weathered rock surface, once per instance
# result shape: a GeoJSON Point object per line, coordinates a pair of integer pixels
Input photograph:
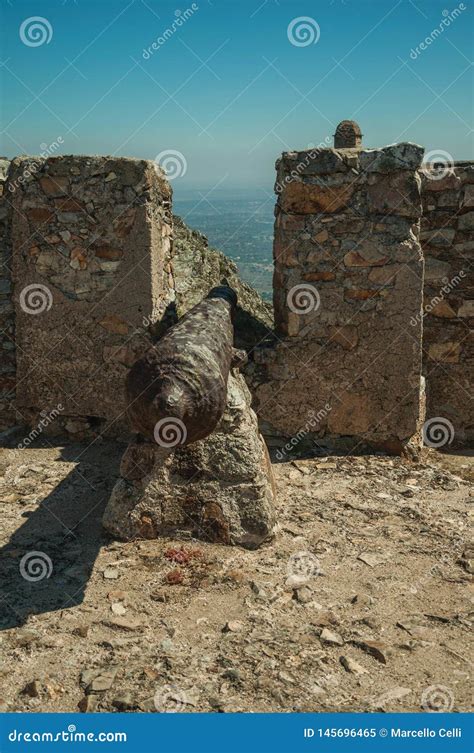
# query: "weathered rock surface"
{"type": "Point", "coordinates": [197, 268]}
{"type": "Point", "coordinates": [448, 300]}
{"type": "Point", "coordinates": [347, 294]}
{"type": "Point", "coordinates": [218, 489]}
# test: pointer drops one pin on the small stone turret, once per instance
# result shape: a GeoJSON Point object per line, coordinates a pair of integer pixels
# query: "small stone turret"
{"type": "Point", "coordinates": [348, 135]}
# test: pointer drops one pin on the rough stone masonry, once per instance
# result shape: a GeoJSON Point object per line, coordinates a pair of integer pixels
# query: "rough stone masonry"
{"type": "Point", "coordinates": [88, 261]}
{"type": "Point", "coordinates": [448, 310]}
{"type": "Point", "coordinates": [91, 247]}
{"type": "Point", "coordinates": [347, 282]}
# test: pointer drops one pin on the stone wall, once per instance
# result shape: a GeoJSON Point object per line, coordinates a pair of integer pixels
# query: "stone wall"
{"type": "Point", "coordinates": [448, 245]}
{"type": "Point", "coordinates": [347, 282]}
{"type": "Point", "coordinates": [7, 323]}
{"type": "Point", "coordinates": [91, 266]}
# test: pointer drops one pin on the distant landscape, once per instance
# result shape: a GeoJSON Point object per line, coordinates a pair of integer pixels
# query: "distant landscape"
{"type": "Point", "coordinates": [240, 224]}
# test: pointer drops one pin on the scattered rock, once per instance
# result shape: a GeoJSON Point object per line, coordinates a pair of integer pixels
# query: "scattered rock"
{"type": "Point", "coordinates": [32, 689]}
{"type": "Point", "coordinates": [375, 648]}
{"type": "Point", "coordinates": [125, 623]}
{"type": "Point", "coordinates": [233, 626]}
{"type": "Point", "coordinates": [82, 630]}
{"type": "Point", "coordinates": [103, 681]}
{"type": "Point", "coordinates": [111, 573]}
{"type": "Point", "coordinates": [124, 702]}
{"type": "Point", "coordinates": [89, 703]}
{"type": "Point", "coordinates": [350, 665]}
{"type": "Point", "coordinates": [328, 636]}
{"type": "Point", "coordinates": [372, 558]}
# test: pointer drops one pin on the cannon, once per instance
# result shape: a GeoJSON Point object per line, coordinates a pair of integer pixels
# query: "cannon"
{"type": "Point", "coordinates": [177, 392]}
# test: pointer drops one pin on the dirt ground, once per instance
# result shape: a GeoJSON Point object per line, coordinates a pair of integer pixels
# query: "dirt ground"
{"type": "Point", "coordinates": [361, 602]}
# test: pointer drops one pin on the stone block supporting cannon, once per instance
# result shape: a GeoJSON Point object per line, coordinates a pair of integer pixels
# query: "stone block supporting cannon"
{"type": "Point", "coordinates": [198, 465]}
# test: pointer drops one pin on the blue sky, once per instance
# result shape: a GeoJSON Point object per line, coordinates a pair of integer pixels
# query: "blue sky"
{"type": "Point", "coordinates": [228, 89]}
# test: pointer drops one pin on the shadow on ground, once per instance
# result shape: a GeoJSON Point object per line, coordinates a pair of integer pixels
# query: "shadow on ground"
{"type": "Point", "coordinates": [46, 564]}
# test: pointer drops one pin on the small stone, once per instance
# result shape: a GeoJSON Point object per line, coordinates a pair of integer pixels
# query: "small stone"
{"type": "Point", "coordinates": [26, 637]}
{"type": "Point", "coordinates": [125, 623]}
{"type": "Point", "coordinates": [111, 573]}
{"type": "Point", "coordinates": [328, 636]}
{"type": "Point", "coordinates": [233, 626]}
{"type": "Point", "coordinates": [372, 558]}
{"type": "Point", "coordinates": [159, 596]}
{"type": "Point", "coordinates": [304, 595]}
{"type": "Point", "coordinates": [117, 595]}
{"type": "Point", "coordinates": [124, 702]}
{"type": "Point", "coordinates": [89, 703]}
{"type": "Point", "coordinates": [167, 646]}
{"type": "Point", "coordinates": [375, 648]}
{"type": "Point", "coordinates": [104, 681]}
{"type": "Point", "coordinates": [82, 630]}
{"type": "Point", "coordinates": [233, 675]}
{"type": "Point", "coordinates": [32, 689]}
{"type": "Point", "coordinates": [111, 176]}
{"type": "Point", "coordinates": [350, 665]}
{"type": "Point", "coordinates": [118, 608]}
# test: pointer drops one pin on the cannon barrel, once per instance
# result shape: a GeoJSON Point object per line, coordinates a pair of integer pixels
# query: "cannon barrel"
{"type": "Point", "coordinates": [177, 392]}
